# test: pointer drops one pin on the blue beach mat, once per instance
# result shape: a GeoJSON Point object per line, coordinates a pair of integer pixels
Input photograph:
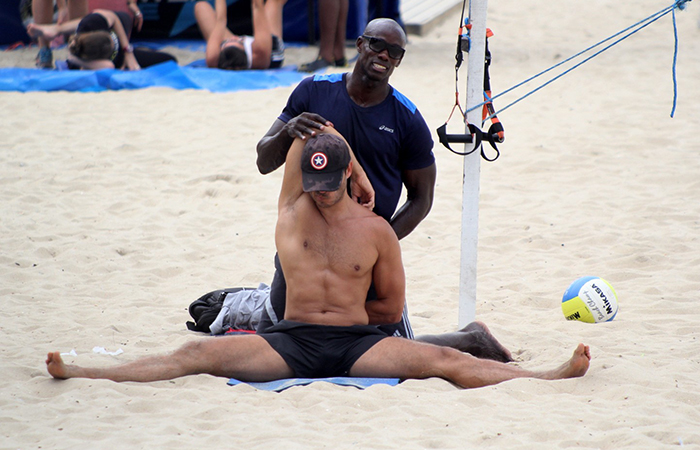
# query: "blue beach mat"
{"type": "Point", "coordinates": [162, 75]}
{"type": "Point", "coordinates": [280, 385]}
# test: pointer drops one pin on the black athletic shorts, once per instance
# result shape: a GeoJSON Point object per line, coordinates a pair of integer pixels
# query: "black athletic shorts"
{"type": "Point", "coordinates": [277, 56]}
{"type": "Point", "coordinates": [319, 351]}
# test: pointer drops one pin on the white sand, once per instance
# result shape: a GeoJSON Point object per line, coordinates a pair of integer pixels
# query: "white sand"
{"type": "Point", "coordinates": [120, 208]}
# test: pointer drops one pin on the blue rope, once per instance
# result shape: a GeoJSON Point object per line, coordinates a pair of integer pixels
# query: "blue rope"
{"type": "Point", "coordinates": [572, 57]}
{"type": "Point", "coordinates": [680, 4]}
{"type": "Point", "coordinates": [675, 56]}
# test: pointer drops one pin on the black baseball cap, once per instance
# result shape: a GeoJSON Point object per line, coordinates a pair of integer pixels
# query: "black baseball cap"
{"type": "Point", "coordinates": [323, 163]}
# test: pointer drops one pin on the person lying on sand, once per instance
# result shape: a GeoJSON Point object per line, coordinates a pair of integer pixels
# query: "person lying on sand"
{"type": "Point", "coordinates": [331, 248]}
{"type": "Point", "coordinates": [225, 50]}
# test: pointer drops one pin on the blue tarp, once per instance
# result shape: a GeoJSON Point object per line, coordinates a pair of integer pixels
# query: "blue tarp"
{"type": "Point", "coordinates": [162, 75]}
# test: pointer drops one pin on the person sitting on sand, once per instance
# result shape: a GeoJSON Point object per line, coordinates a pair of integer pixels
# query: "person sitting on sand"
{"type": "Point", "coordinates": [225, 50]}
{"type": "Point", "coordinates": [42, 11]}
{"type": "Point", "coordinates": [331, 249]}
{"type": "Point", "coordinates": [101, 41]}
{"type": "Point", "coordinates": [397, 155]}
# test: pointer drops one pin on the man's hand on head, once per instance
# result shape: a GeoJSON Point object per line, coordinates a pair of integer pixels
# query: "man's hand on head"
{"type": "Point", "coordinates": [306, 124]}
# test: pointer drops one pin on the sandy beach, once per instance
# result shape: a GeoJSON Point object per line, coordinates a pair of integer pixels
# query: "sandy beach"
{"type": "Point", "coordinates": [121, 208]}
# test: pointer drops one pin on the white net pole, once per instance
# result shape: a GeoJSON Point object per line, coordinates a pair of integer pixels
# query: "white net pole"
{"type": "Point", "coordinates": [472, 167]}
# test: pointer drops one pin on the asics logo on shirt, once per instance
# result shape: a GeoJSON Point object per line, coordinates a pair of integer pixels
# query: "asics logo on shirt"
{"type": "Point", "coordinates": [387, 129]}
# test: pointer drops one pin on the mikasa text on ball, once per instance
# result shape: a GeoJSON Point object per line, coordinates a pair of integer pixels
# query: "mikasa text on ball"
{"type": "Point", "coordinates": [590, 299]}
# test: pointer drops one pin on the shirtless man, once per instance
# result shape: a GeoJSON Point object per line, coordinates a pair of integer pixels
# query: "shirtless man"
{"type": "Point", "coordinates": [356, 104]}
{"type": "Point", "coordinates": [331, 248]}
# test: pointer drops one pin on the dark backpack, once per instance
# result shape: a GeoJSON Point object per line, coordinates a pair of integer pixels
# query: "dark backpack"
{"type": "Point", "coordinates": [205, 309]}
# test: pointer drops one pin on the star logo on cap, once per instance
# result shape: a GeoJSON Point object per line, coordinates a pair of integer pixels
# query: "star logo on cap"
{"type": "Point", "coordinates": [319, 161]}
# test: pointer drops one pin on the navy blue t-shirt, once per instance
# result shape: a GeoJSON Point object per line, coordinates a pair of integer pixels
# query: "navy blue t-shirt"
{"type": "Point", "coordinates": [387, 138]}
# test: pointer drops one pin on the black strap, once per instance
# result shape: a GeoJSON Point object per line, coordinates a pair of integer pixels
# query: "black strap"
{"type": "Point", "coordinates": [475, 137]}
{"type": "Point", "coordinates": [492, 137]}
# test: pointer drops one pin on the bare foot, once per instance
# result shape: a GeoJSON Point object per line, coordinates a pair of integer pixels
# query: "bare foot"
{"type": "Point", "coordinates": [577, 366]}
{"type": "Point", "coordinates": [475, 339]}
{"type": "Point", "coordinates": [56, 367]}
{"type": "Point", "coordinates": [505, 354]}
{"type": "Point", "coordinates": [48, 32]}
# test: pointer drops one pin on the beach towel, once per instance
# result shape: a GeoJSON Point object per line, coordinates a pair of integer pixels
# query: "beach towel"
{"type": "Point", "coordinates": [280, 385]}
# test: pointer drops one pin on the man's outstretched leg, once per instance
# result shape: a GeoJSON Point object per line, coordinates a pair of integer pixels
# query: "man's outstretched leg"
{"type": "Point", "coordinates": [401, 358]}
{"type": "Point", "coordinates": [248, 358]}
{"type": "Point", "coordinates": [475, 339]}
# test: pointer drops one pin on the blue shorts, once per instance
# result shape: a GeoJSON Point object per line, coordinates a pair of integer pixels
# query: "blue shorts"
{"type": "Point", "coordinates": [319, 351]}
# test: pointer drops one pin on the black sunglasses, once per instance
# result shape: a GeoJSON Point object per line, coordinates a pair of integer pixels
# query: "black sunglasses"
{"type": "Point", "coordinates": [378, 45]}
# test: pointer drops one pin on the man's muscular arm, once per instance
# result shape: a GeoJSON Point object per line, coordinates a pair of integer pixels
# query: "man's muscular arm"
{"type": "Point", "coordinates": [420, 187]}
{"type": "Point", "coordinates": [273, 147]}
{"type": "Point", "coordinates": [389, 280]}
{"type": "Point", "coordinates": [292, 187]}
